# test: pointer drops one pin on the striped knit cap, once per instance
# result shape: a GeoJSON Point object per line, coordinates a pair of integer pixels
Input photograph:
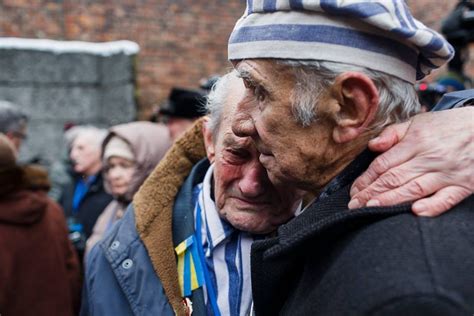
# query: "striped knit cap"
{"type": "Point", "coordinates": [380, 35]}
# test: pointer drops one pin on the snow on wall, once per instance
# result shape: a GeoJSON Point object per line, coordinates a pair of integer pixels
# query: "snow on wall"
{"type": "Point", "coordinates": [60, 47]}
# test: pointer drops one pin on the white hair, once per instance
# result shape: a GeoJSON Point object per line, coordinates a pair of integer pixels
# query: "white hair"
{"type": "Point", "coordinates": [95, 134]}
{"type": "Point", "coordinates": [398, 100]}
{"type": "Point", "coordinates": [216, 100]}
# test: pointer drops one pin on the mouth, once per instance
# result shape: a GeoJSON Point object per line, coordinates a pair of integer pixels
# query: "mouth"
{"type": "Point", "coordinates": [252, 202]}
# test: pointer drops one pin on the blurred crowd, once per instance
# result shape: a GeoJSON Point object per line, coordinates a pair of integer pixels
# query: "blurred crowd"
{"type": "Point", "coordinates": [457, 28]}
{"type": "Point", "coordinates": [68, 206]}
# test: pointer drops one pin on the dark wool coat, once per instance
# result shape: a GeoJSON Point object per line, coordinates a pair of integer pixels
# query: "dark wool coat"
{"type": "Point", "coordinates": [39, 270]}
{"type": "Point", "coordinates": [370, 261]}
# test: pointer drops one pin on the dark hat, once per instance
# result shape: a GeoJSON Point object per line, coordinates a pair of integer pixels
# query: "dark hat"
{"type": "Point", "coordinates": [184, 103]}
{"type": "Point", "coordinates": [458, 26]}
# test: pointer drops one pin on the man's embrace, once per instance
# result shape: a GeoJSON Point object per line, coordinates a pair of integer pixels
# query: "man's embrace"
{"type": "Point", "coordinates": [322, 79]}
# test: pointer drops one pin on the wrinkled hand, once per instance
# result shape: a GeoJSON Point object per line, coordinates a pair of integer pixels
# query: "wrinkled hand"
{"type": "Point", "coordinates": [428, 159]}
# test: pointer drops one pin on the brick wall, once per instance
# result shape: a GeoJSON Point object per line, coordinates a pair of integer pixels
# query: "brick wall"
{"type": "Point", "coordinates": [431, 12]}
{"type": "Point", "coordinates": [181, 41]}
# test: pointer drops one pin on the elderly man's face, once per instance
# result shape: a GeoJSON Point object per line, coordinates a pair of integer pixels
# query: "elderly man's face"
{"type": "Point", "coordinates": [85, 155]}
{"type": "Point", "coordinates": [291, 153]}
{"type": "Point", "coordinates": [244, 195]}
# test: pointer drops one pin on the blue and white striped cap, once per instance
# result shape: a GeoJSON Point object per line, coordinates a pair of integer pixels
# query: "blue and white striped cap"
{"type": "Point", "coordinates": [380, 34]}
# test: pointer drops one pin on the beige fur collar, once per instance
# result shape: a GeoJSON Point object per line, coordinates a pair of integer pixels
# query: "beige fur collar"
{"type": "Point", "coordinates": [153, 205]}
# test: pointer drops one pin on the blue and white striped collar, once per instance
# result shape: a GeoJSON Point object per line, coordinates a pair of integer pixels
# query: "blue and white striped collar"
{"type": "Point", "coordinates": [214, 227]}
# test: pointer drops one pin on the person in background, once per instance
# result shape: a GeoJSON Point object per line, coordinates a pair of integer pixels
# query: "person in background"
{"type": "Point", "coordinates": [61, 171]}
{"type": "Point", "coordinates": [85, 198]}
{"type": "Point", "coordinates": [39, 268]}
{"type": "Point", "coordinates": [130, 153]}
{"type": "Point", "coordinates": [183, 107]}
{"type": "Point", "coordinates": [458, 28]}
{"type": "Point", "coordinates": [13, 123]}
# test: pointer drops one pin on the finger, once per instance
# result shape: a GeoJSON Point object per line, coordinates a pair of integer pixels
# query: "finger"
{"type": "Point", "coordinates": [398, 185]}
{"type": "Point", "coordinates": [415, 189]}
{"type": "Point", "coordinates": [390, 136]}
{"type": "Point", "coordinates": [383, 175]}
{"type": "Point", "coordinates": [442, 201]}
{"type": "Point", "coordinates": [364, 180]}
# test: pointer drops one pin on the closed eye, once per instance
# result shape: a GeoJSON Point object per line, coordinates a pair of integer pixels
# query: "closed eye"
{"type": "Point", "coordinates": [237, 156]}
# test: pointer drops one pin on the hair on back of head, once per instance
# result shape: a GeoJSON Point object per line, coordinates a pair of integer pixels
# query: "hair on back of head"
{"type": "Point", "coordinates": [12, 117]}
{"type": "Point", "coordinates": [216, 100]}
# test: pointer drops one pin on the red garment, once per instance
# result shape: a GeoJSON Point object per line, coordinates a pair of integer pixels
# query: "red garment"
{"type": "Point", "coordinates": [39, 270]}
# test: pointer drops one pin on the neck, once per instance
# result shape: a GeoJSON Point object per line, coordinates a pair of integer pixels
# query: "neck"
{"type": "Point", "coordinates": [341, 155]}
{"type": "Point", "coordinates": [93, 170]}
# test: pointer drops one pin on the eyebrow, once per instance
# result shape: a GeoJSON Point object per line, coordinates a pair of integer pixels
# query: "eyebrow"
{"type": "Point", "coordinates": [244, 74]}
{"type": "Point", "coordinates": [247, 75]}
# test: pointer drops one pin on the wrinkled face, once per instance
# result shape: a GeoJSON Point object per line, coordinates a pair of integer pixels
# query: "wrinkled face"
{"type": "Point", "coordinates": [244, 195]}
{"type": "Point", "coordinates": [119, 174]}
{"type": "Point", "coordinates": [178, 126]}
{"type": "Point", "coordinates": [85, 155]}
{"type": "Point", "coordinates": [291, 153]}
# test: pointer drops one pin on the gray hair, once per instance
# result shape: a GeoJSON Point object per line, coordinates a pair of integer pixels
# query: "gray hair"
{"type": "Point", "coordinates": [12, 118]}
{"type": "Point", "coordinates": [398, 100]}
{"type": "Point", "coordinates": [97, 135]}
{"type": "Point", "coordinates": [216, 100]}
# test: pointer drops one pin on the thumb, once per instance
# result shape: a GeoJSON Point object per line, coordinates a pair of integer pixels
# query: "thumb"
{"type": "Point", "coordinates": [389, 137]}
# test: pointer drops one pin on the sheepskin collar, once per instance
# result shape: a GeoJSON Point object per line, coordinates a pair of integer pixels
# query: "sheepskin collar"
{"type": "Point", "coordinates": [153, 205]}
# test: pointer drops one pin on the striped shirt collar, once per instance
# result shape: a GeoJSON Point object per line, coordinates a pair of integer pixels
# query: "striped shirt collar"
{"type": "Point", "coordinates": [227, 252]}
{"type": "Point", "coordinates": [217, 229]}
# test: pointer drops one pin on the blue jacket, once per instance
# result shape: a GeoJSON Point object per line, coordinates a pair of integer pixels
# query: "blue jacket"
{"type": "Point", "coordinates": [120, 279]}
{"type": "Point", "coordinates": [133, 270]}
{"type": "Point", "coordinates": [454, 100]}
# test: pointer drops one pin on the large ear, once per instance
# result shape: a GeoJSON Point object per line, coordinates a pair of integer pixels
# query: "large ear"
{"type": "Point", "coordinates": [208, 140]}
{"type": "Point", "coordinates": [358, 101]}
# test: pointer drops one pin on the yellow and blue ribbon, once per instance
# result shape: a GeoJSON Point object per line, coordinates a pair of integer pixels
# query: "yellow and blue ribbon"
{"type": "Point", "coordinates": [190, 271]}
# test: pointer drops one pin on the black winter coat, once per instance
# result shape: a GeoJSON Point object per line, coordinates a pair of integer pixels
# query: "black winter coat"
{"type": "Point", "coordinates": [91, 206]}
{"type": "Point", "coordinates": [371, 261]}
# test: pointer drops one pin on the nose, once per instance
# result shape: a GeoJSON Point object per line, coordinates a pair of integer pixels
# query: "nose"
{"type": "Point", "coordinates": [254, 181]}
{"type": "Point", "coordinates": [114, 174]}
{"type": "Point", "coordinates": [73, 154]}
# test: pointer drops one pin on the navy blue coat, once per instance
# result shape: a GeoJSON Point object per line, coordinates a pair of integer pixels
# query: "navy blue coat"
{"type": "Point", "coordinates": [91, 206]}
{"type": "Point", "coordinates": [120, 279]}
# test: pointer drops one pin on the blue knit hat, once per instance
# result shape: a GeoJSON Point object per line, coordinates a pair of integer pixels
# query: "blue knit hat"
{"type": "Point", "coordinates": [380, 35]}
